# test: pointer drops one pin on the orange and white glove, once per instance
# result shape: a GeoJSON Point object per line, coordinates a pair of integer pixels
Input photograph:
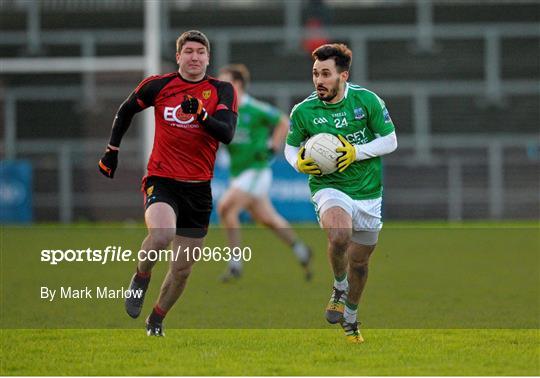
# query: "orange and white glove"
{"type": "Point", "coordinates": [108, 163]}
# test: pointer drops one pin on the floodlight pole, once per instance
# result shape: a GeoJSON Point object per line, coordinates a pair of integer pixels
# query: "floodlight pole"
{"type": "Point", "coordinates": [152, 58]}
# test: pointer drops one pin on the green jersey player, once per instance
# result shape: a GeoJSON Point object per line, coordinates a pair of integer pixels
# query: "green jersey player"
{"type": "Point", "coordinates": [252, 147]}
{"type": "Point", "coordinates": [260, 132]}
{"type": "Point", "coordinates": [347, 202]}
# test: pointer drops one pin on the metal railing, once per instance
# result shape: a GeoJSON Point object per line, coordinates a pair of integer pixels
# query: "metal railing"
{"type": "Point", "coordinates": [422, 142]}
{"type": "Point", "coordinates": [74, 155]}
{"type": "Point", "coordinates": [283, 94]}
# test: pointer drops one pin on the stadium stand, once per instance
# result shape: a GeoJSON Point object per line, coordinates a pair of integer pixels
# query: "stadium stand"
{"type": "Point", "coordinates": [468, 124]}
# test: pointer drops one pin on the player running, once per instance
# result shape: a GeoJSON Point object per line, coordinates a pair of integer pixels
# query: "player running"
{"type": "Point", "coordinates": [251, 149]}
{"type": "Point", "coordinates": [347, 202]}
{"type": "Point", "coordinates": [193, 113]}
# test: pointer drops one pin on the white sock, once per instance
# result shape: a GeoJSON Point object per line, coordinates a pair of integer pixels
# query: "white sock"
{"type": "Point", "coordinates": [301, 251]}
{"type": "Point", "coordinates": [350, 315]}
{"type": "Point", "coordinates": [235, 264]}
{"type": "Point", "coordinates": [341, 285]}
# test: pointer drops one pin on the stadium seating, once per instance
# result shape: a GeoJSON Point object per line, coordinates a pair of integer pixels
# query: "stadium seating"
{"type": "Point", "coordinates": [415, 190]}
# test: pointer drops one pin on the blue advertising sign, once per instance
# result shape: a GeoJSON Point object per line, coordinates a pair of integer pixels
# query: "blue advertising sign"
{"type": "Point", "coordinates": [15, 191]}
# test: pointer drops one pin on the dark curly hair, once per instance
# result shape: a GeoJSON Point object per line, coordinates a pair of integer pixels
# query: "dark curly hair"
{"type": "Point", "coordinates": [341, 54]}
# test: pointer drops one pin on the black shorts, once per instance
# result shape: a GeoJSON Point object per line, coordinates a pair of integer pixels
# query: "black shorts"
{"type": "Point", "coordinates": [192, 203]}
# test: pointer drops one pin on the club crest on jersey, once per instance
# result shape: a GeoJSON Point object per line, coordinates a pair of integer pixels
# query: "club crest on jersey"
{"type": "Point", "coordinates": [206, 94]}
{"type": "Point", "coordinates": [359, 113]}
{"type": "Point", "coordinates": [176, 115]}
{"type": "Point", "coordinates": [386, 116]}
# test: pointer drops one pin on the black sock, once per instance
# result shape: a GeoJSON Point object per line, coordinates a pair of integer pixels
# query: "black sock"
{"type": "Point", "coordinates": [157, 315]}
{"type": "Point", "coordinates": [142, 278]}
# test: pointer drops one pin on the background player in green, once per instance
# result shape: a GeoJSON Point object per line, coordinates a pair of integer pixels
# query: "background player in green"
{"type": "Point", "coordinates": [260, 133]}
{"type": "Point", "coordinates": [347, 202]}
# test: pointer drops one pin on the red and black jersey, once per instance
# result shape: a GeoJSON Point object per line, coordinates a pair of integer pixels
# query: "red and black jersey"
{"type": "Point", "coordinates": [183, 149]}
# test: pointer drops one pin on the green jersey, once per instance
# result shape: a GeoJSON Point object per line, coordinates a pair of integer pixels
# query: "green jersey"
{"type": "Point", "coordinates": [361, 116]}
{"type": "Point", "coordinates": [249, 147]}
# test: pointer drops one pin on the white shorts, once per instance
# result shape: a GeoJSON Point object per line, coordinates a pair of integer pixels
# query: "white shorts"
{"type": "Point", "coordinates": [365, 214]}
{"type": "Point", "coordinates": [256, 182]}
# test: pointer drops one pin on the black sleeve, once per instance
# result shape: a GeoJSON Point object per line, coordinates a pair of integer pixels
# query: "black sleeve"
{"type": "Point", "coordinates": [141, 98]}
{"type": "Point", "coordinates": [222, 125]}
{"type": "Point", "coordinates": [123, 118]}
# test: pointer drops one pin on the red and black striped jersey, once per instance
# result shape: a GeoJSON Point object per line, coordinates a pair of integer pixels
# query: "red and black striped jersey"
{"type": "Point", "coordinates": [183, 149]}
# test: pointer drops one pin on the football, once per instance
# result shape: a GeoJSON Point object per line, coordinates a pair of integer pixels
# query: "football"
{"type": "Point", "coordinates": [322, 148]}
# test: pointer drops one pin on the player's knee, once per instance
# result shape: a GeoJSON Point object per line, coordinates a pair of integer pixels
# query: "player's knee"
{"type": "Point", "coordinates": [339, 239]}
{"type": "Point", "coordinates": [181, 273]}
{"type": "Point", "coordinates": [161, 237]}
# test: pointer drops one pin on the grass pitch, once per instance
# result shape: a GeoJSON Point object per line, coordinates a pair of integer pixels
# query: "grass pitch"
{"type": "Point", "coordinates": [270, 352]}
{"type": "Point", "coordinates": [441, 300]}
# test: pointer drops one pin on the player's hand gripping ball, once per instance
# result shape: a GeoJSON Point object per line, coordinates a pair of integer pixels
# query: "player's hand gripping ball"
{"type": "Point", "coordinates": [348, 154]}
{"type": "Point", "coordinates": [321, 148]}
{"type": "Point", "coordinates": [306, 164]}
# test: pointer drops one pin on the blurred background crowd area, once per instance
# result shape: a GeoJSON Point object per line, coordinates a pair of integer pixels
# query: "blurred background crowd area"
{"type": "Point", "coordinates": [461, 80]}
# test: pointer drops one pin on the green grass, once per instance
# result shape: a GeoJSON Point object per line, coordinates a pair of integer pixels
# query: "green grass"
{"type": "Point", "coordinates": [270, 352]}
{"type": "Point", "coordinates": [441, 300]}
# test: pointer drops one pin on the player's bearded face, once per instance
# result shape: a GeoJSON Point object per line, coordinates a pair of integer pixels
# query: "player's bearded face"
{"type": "Point", "coordinates": [328, 92]}
{"type": "Point", "coordinates": [327, 80]}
